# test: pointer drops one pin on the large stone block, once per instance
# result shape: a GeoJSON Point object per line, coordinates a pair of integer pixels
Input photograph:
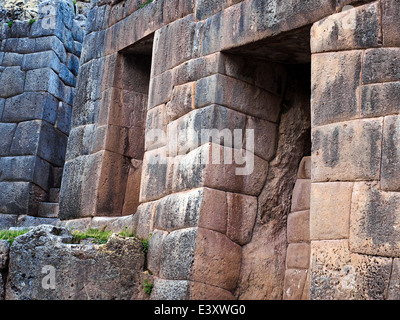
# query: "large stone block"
{"type": "Point", "coordinates": [374, 222]}
{"type": "Point", "coordinates": [12, 59]}
{"type": "Point", "coordinates": [298, 256]}
{"type": "Point", "coordinates": [214, 123]}
{"type": "Point", "coordinates": [218, 167]}
{"type": "Point", "coordinates": [7, 133]}
{"type": "Point", "coordinates": [178, 253]}
{"type": "Point", "coordinates": [295, 281]}
{"type": "Point", "coordinates": [390, 170]}
{"type": "Point", "coordinates": [342, 31]}
{"type": "Point", "coordinates": [338, 274]}
{"type": "Point", "coordinates": [44, 59]}
{"type": "Point", "coordinates": [31, 106]}
{"type": "Point", "coordinates": [335, 92]}
{"type": "Point", "coordinates": [202, 207]}
{"type": "Point", "coordinates": [168, 53]}
{"type": "Point", "coordinates": [304, 168]}
{"type": "Point", "coordinates": [242, 212]}
{"type": "Point", "coordinates": [17, 198]}
{"type": "Point", "coordinates": [381, 65]}
{"type": "Point", "coordinates": [12, 80]}
{"type": "Point", "coordinates": [146, 214]}
{"type": "Point", "coordinates": [330, 210]}
{"type": "Point", "coordinates": [52, 144]}
{"type": "Point", "coordinates": [45, 79]}
{"type": "Point", "coordinates": [154, 253]}
{"type": "Point", "coordinates": [132, 193]}
{"type": "Point", "coordinates": [394, 286]}
{"type": "Point", "coordinates": [156, 128]}
{"type": "Point", "coordinates": [390, 29]}
{"type": "Point", "coordinates": [26, 45]}
{"type": "Point", "coordinates": [26, 138]}
{"type": "Point", "coordinates": [217, 260]}
{"type": "Point", "coordinates": [347, 151]}
{"type": "Point", "coordinates": [114, 224]}
{"type": "Point", "coordinates": [7, 221]}
{"type": "Point", "coordinates": [380, 99]}
{"type": "Point", "coordinates": [223, 90]}
{"type": "Point", "coordinates": [25, 168]}
{"type": "Point", "coordinates": [182, 101]}
{"type": "Point", "coordinates": [63, 121]}
{"type": "Point", "coordinates": [51, 43]}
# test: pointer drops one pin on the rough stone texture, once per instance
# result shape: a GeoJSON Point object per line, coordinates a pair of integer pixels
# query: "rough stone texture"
{"type": "Point", "coordinates": [330, 210]}
{"type": "Point", "coordinates": [353, 151]}
{"type": "Point", "coordinates": [298, 226]}
{"type": "Point", "coordinates": [300, 197]}
{"type": "Point", "coordinates": [374, 221]}
{"type": "Point", "coordinates": [338, 274]}
{"type": "Point", "coordinates": [298, 256]}
{"type": "Point", "coordinates": [110, 271]}
{"type": "Point", "coordinates": [390, 173]}
{"type": "Point", "coordinates": [294, 286]}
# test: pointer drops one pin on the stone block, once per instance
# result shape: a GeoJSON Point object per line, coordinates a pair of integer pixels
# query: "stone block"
{"type": "Point", "coordinates": [48, 210]}
{"type": "Point", "coordinates": [54, 195]}
{"type": "Point", "coordinates": [146, 214]}
{"type": "Point", "coordinates": [335, 92]}
{"type": "Point", "coordinates": [338, 274]}
{"type": "Point", "coordinates": [4, 251]}
{"type": "Point", "coordinates": [77, 32]}
{"type": "Point", "coordinates": [12, 59]}
{"type": "Point", "coordinates": [156, 127]}
{"type": "Point", "coordinates": [167, 53]}
{"type": "Point", "coordinates": [242, 212]}
{"type": "Point", "coordinates": [298, 226]}
{"type": "Point", "coordinates": [31, 106]}
{"type": "Point", "coordinates": [50, 26]}
{"type": "Point", "coordinates": [6, 132]}
{"type": "Point", "coordinates": [304, 171]}
{"type": "Point", "coordinates": [390, 170]}
{"type": "Point", "coordinates": [294, 284]}
{"type": "Point", "coordinates": [78, 196]}
{"type": "Point", "coordinates": [131, 201]}
{"type": "Point", "coordinates": [26, 45]}
{"type": "Point", "coordinates": [26, 138]}
{"type": "Point", "coordinates": [7, 221]}
{"type": "Point", "coordinates": [170, 289]}
{"type": "Point", "coordinates": [390, 29]}
{"type": "Point", "coordinates": [178, 253]}
{"type": "Point", "coordinates": [380, 99]}
{"type": "Point", "coordinates": [2, 103]}
{"type": "Point", "coordinates": [12, 80]}
{"type": "Point", "coordinates": [301, 195]}
{"type": "Point", "coordinates": [154, 253]}
{"type": "Point", "coordinates": [45, 79]}
{"type": "Point", "coordinates": [381, 65]}
{"type": "Point", "coordinates": [44, 59]}
{"type": "Point", "coordinates": [342, 31]}
{"type": "Point", "coordinates": [347, 151]}
{"type": "Point", "coordinates": [14, 198]}
{"type": "Point", "coordinates": [25, 168]}
{"type": "Point", "coordinates": [217, 260]}
{"type": "Point", "coordinates": [114, 224]}
{"type": "Point", "coordinates": [63, 121]}
{"type": "Point", "coordinates": [73, 63]}
{"type": "Point", "coordinates": [201, 207]}
{"type": "Point", "coordinates": [330, 210]}
{"type": "Point", "coordinates": [374, 221]}
{"type": "Point", "coordinates": [52, 144]}
{"type": "Point", "coordinates": [394, 286]}
{"type": "Point", "coordinates": [217, 167]}
{"type": "Point", "coordinates": [51, 43]}
{"type": "Point", "coordinates": [222, 90]}
{"type": "Point", "coordinates": [82, 224]}
{"type": "Point", "coordinates": [67, 76]}
{"type": "Point", "coordinates": [182, 101]}
{"type": "Point", "coordinates": [214, 124]}
{"type": "Point", "coordinates": [298, 256]}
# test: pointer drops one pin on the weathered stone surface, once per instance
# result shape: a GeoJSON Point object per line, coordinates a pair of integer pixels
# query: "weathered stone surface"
{"type": "Point", "coordinates": [48, 210]}
{"type": "Point", "coordinates": [7, 132]}
{"type": "Point", "coordinates": [347, 151]}
{"type": "Point", "coordinates": [381, 65]}
{"type": "Point", "coordinates": [221, 90]}
{"type": "Point", "coordinates": [182, 101]}
{"type": "Point", "coordinates": [390, 29]}
{"type": "Point", "coordinates": [178, 253]}
{"type": "Point", "coordinates": [156, 128]}
{"type": "Point", "coordinates": [301, 195]}
{"type": "Point", "coordinates": [242, 211]}
{"type": "Point", "coordinates": [25, 221]}
{"type": "Point", "coordinates": [374, 221]}
{"type": "Point", "coordinates": [298, 227]}
{"type": "Point", "coordinates": [394, 286]}
{"type": "Point", "coordinates": [351, 29]}
{"type": "Point", "coordinates": [14, 197]}
{"type": "Point", "coordinates": [146, 213]}
{"type": "Point", "coordinates": [110, 271]}
{"type": "Point", "coordinates": [132, 193]}
{"type": "Point", "coordinates": [390, 171]}
{"type": "Point", "coordinates": [380, 99]}
{"type": "Point", "coordinates": [335, 94]}
{"type": "Point", "coordinates": [82, 224]}
{"type": "Point", "coordinates": [202, 207]}
{"type": "Point", "coordinates": [330, 210]}
{"type": "Point", "coordinates": [295, 281]}
{"type": "Point", "coordinates": [298, 256]}
{"type": "Point", "coordinates": [216, 167]}
{"type": "Point", "coordinates": [217, 260]}
{"type": "Point", "coordinates": [43, 59]}
{"type": "Point", "coordinates": [8, 220]}
{"type": "Point", "coordinates": [12, 79]}
{"type": "Point", "coordinates": [4, 251]}
{"type": "Point", "coordinates": [170, 289]}
{"type": "Point", "coordinates": [154, 253]}
{"type": "Point", "coordinates": [338, 274]}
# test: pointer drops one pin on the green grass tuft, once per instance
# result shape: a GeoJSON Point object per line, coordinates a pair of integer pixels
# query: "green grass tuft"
{"type": "Point", "coordinates": [10, 235]}
{"type": "Point", "coordinates": [31, 21]}
{"type": "Point", "coordinates": [10, 23]}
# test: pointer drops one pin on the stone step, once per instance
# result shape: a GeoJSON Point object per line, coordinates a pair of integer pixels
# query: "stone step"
{"type": "Point", "coordinates": [54, 195]}
{"type": "Point", "coordinates": [48, 210]}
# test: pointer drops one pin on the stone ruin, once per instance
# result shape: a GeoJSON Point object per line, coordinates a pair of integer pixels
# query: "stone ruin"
{"type": "Point", "coordinates": [116, 123]}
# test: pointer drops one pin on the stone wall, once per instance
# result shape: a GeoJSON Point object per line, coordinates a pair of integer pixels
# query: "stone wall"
{"type": "Point", "coordinates": [354, 192]}
{"type": "Point", "coordinates": [39, 62]}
